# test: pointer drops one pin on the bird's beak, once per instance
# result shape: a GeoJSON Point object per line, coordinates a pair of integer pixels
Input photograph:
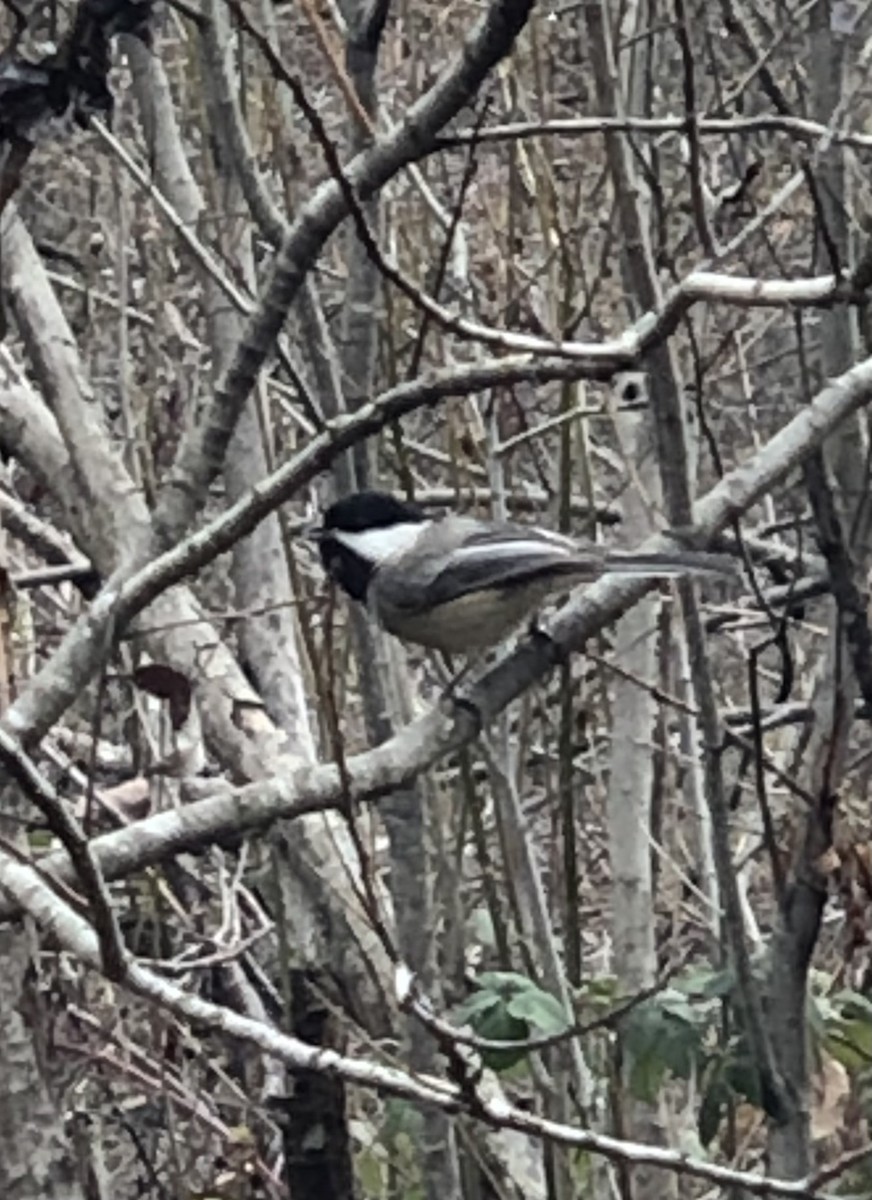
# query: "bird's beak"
{"type": "Point", "coordinates": [313, 533]}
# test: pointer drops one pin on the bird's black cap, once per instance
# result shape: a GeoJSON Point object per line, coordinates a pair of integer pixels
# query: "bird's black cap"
{"type": "Point", "coordinates": [370, 510]}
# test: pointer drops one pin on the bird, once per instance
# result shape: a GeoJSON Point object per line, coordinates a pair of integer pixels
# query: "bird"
{"type": "Point", "coordinates": [461, 585]}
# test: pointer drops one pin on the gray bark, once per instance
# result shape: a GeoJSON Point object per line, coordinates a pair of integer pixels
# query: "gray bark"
{"type": "Point", "coordinates": [36, 1160]}
{"type": "Point", "coordinates": [843, 458]}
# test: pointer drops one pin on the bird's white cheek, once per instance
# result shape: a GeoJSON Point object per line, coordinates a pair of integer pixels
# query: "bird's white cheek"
{"type": "Point", "coordinates": [376, 545]}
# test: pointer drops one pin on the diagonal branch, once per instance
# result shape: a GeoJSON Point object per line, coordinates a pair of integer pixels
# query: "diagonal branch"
{"type": "Point", "coordinates": [20, 767]}
{"type": "Point", "coordinates": [201, 454]}
{"type": "Point", "coordinates": [126, 594]}
{"type": "Point", "coordinates": [24, 885]}
{"type": "Point", "coordinates": [436, 734]}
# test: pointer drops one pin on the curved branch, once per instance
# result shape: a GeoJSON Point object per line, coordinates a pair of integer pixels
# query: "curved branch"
{"type": "Point", "coordinates": [307, 789]}
{"type": "Point", "coordinates": [23, 884]}
{"type": "Point", "coordinates": [201, 454]}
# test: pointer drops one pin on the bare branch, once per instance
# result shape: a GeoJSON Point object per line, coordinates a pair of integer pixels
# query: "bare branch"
{"type": "Point", "coordinates": [437, 734]}
{"type": "Point", "coordinates": [24, 885]}
{"type": "Point", "coordinates": [21, 768]}
{"type": "Point", "coordinates": [570, 127]}
{"type": "Point", "coordinates": [201, 455]}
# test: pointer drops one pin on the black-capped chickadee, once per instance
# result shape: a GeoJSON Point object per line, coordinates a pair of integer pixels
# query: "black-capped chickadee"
{"type": "Point", "coordinates": [461, 585]}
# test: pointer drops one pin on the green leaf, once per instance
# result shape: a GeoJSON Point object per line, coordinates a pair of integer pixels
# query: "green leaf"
{"type": "Point", "coordinates": [507, 1007]}
{"type": "Point", "coordinates": [843, 1024]}
{"type": "Point", "coordinates": [505, 983]}
{"type": "Point", "coordinates": [677, 1005]}
{"type": "Point", "coordinates": [368, 1170]}
{"type": "Point", "coordinates": [659, 1036]}
{"type": "Point", "coordinates": [706, 983]}
{"type": "Point", "coordinates": [475, 1007]}
{"type": "Point", "coordinates": [489, 1017]}
{"type": "Point", "coordinates": [500, 1026]}
{"type": "Point", "coordinates": [541, 1010]}
{"type": "Point", "coordinates": [600, 991]}
{"type": "Point", "coordinates": [401, 1117]}
{"type": "Point", "coordinates": [853, 1002]}
{"type": "Point", "coordinates": [850, 1042]}
{"type": "Point", "coordinates": [503, 1062]}
{"type": "Point", "coordinates": [646, 1077]}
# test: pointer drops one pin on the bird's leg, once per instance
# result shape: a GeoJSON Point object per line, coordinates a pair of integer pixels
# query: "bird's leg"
{"type": "Point", "coordinates": [450, 695]}
{"type": "Point", "coordinates": [454, 676]}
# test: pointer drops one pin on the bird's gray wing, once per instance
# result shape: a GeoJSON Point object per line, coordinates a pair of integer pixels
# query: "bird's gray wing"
{"type": "Point", "coordinates": [492, 556]}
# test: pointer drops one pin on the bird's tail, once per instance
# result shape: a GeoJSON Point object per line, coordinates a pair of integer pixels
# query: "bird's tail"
{"type": "Point", "coordinates": [669, 562]}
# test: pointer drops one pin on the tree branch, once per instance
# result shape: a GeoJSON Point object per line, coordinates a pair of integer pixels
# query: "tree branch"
{"type": "Point", "coordinates": [418, 745]}
{"type": "Point", "coordinates": [201, 454]}
{"type": "Point", "coordinates": [23, 884]}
